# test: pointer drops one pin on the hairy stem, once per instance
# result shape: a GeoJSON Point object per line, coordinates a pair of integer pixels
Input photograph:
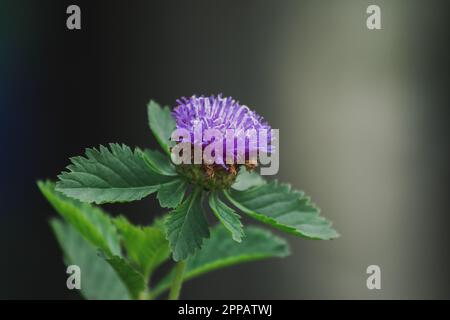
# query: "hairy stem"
{"type": "Point", "coordinates": [177, 280]}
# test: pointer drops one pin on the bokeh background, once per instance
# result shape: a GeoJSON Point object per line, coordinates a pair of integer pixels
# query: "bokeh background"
{"type": "Point", "coordinates": [363, 118]}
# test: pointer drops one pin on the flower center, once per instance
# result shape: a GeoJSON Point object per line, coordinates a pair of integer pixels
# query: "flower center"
{"type": "Point", "coordinates": [210, 177]}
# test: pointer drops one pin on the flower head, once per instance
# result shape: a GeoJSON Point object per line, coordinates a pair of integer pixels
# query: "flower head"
{"type": "Point", "coordinates": [236, 129]}
{"type": "Point", "coordinates": [216, 113]}
{"type": "Point", "coordinates": [222, 114]}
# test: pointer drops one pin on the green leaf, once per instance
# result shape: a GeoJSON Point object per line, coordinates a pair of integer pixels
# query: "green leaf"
{"type": "Point", "coordinates": [220, 251]}
{"type": "Point", "coordinates": [246, 180]}
{"type": "Point", "coordinates": [288, 210]}
{"type": "Point", "coordinates": [161, 123]}
{"type": "Point", "coordinates": [97, 228]}
{"type": "Point", "coordinates": [92, 222]}
{"type": "Point", "coordinates": [133, 280]}
{"type": "Point", "coordinates": [98, 279]}
{"type": "Point", "coordinates": [115, 175]}
{"type": "Point", "coordinates": [159, 162]}
{"type": "Point", "coordinates": [229, 218]}
{"type": "Point", "coordinates": [146, 246]}
{"type": "Point", "coordinates": [186, 227]}
{"type": "Point", "coordinates": [171, 194]}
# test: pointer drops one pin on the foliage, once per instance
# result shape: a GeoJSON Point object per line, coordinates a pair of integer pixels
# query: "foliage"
{"type": "Point", "coordinates": [119, 258]}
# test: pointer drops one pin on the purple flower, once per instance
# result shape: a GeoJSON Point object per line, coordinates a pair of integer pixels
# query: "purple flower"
{"type": "Point", "coordinates": [237, 123]}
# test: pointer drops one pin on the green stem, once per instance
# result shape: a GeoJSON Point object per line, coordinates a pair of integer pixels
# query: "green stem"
{"type": "Point", "coordinates": [177, 280]}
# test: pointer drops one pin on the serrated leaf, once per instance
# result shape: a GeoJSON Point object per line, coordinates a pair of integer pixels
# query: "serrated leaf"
{"type": "Point", "coordinates": [172, 193]}
{"type": "Point", "coordinates": [159, 162]}
{"type": "Point", "coordinates": [133, 280]}
{"type": "Point", "coordinates": [110, 175]}
{"type": "Point", "coordinates": [146, 246]}
{"type": "Point", "coordinates": [161, 123]}
{"type": "Point", "coordinates": [286, 209]}
{"type": "Point", "coordinates": [227, 216]}
{"type": "Point", "coordinates": [96, 227]}
{"type": "Point", "coordinates": [186, 227]}
{"type": "Point", "coordinates": [92, 222]}
{"type": "Point", "coordinates": [220, 251]}
{"type": "Point", "coordinates": [246, 180]}
{"type": "Point", "coordinates": [99, 280]}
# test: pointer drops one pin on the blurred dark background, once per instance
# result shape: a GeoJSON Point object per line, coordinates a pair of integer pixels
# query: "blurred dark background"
{"type": "Point", "coordinates": [363, 118]}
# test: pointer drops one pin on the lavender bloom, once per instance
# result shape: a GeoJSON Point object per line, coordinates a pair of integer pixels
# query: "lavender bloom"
{"type": "Point", "coordinates": [222, 114]}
